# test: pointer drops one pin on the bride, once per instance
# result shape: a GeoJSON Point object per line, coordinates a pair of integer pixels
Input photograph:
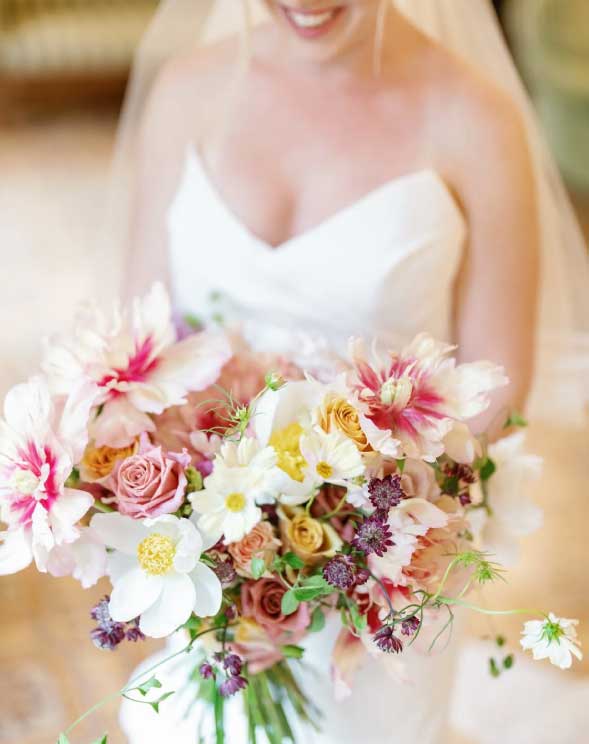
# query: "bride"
{"type": "Point", "coordinates": [338, 168]}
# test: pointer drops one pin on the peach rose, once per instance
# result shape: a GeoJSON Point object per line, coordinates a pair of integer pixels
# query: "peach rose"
{"type": "Point", "coordinates": [260, 542]}
{"type": "Point", "coordinates": [338, 414]}
{"type": "Point", "coordinates": [262, 601]}
{"type": "Point", "coordinates": [150, 483]}
{"type": "Point", "coordinates": [313, 541]}
{"type": "Point", "coordinates": [99, 462]}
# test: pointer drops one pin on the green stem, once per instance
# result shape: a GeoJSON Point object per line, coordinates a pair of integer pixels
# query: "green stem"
{"type": "Point", "coordinates": [483, 611]}
{"type": "Point", "coordinates": [99, 506]}
{"type": "Point", "coordinates": [219, 704]}
{"type": "Point", "coordinates": [129, 686]}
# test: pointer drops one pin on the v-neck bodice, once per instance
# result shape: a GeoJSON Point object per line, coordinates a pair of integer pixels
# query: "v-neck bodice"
{"type": "Point", "coordinates": [383, 266]}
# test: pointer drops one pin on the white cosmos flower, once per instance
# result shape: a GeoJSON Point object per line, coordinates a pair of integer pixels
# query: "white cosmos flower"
{"type": "Point", "coordinates": [244, 475]}
{"type": "Point", "coordinates": [156, 572]}
{"type": "Point", "coordinates": [554, 638]}
{"type": "Point", "coordinates": [330, 458]}
{"type": "Point", "coordinates": [514, 514]}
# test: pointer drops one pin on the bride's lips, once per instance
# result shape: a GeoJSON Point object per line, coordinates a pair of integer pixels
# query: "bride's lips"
{"type": "Point", "coordinates": [311, 24]}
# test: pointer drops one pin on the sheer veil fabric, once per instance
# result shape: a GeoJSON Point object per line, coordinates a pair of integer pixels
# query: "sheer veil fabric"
{"type": "Point", "coordinates": [469, 29]}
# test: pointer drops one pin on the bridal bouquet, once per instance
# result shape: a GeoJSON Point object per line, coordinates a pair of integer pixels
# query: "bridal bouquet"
{"type": "Point", "coordinates": [247, 501]}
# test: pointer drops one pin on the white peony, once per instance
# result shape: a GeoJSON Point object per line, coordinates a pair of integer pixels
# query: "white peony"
{"type": "Point", "coordinates": [156, 572]}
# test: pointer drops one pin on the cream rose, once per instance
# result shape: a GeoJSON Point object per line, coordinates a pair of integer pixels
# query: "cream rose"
{"type": "Point", "coordinates": [313, 541]}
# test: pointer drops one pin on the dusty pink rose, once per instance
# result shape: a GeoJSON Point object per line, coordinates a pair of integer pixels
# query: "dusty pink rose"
{"type": "Point", "coordinates": [150, 483]}
{"type": "Point", "coordinates": [253, 643]}
{"type": "Point", "coordinates": [260, 542]}
{"type": "Point", "coordinates": [261, 600]}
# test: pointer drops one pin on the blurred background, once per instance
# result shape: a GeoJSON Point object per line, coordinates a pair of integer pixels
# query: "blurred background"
{"type": "Point", "coordinates": [63, 69]}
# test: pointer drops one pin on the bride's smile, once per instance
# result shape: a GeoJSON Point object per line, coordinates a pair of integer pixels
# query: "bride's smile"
{"type": "Point", "coordinates": [311, 24]}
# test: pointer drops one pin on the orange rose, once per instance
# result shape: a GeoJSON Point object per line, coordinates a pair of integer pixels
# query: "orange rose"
{"type": "Point", "coordinates": [260, 543]}
{"type": "Point", "coordinates": [99, 462]}
{"type": "Point", "coordinates": [337, 413]}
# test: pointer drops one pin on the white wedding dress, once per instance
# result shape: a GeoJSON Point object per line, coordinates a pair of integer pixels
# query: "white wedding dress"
{"type": "Point", "coordinates": [383, 266]}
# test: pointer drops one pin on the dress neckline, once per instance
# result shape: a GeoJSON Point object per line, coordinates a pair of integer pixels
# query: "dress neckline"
{"type": "Point", "coordinates": [422, 174]}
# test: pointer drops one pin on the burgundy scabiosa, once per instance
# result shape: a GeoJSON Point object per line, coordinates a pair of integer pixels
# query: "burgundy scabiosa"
{"type": "Point", "coordinates": [207, 671]}
{"type": "Point", "coordinates": [341, 572]}
{"type": "Point", "coordinates": [410, 626]}
{"type": "Point", "coordinates": [385, 493]}
{"type": "Point", "coordinates": [108, 633]}
{"type": "Point", "coordinates": [387, 641]}
{"type": "Point", "coordinates": [373, 536]}
{"type": "Point", "coordinates": [232, 685]}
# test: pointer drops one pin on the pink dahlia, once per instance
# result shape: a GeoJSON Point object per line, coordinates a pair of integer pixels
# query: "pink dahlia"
{"type": "Point", "coordinates": [409, 402]}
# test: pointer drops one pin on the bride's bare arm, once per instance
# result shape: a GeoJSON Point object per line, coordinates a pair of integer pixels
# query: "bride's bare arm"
{"type": "Point", "coordinates": [497, 288]}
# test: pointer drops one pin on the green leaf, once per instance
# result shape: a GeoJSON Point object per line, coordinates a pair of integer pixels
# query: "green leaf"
{"type": "Point", "coordinates": [317, 582]}
{"type": "Point", "coordinates": [493, 668]}
{"type": "Point", "coordinates": [292, 652]}
{"type": "Point", "coordinates": [293, 560]}
{"type": "Point", "coordinates": [500, 640]}
{"type": "Point", "coordinates": [104, 740]}
{"type": "Point", "coordinates": [156, 703]}
{"type": "Point", "coordinates": [306, 594]}
{"type": "Point", "coordinates": [515, 419]}
{"type": "Point", "coordinates": [193, 623]}
{"type": "Point", "coordinates": [508, 661]}
{"type": "Point", "coordinates": [401, 466]}
{"type": "Point", "coordinates": [487, 469]}
{"type": "Point", "coordinates": [193, 321]}
{"type": "Point", "coordinates": [152, 683]}
{"type": "Point", "coordinates": [63, 739]}
{"type": "Point", "coordinates": [317, 620]}
{"type": "Point", "coordinates": [258, 567]}
{"type": "Point", "coordinates": [360, 621]}
{"type": "Point", "coordinates": [289, 603]}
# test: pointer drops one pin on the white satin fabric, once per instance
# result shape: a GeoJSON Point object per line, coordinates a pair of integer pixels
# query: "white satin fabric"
{"type": "Point", "coordinates": [384, 266]}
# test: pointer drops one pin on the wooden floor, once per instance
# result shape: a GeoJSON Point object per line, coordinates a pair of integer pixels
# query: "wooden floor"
{"type": "Point", "coordinates": [52, 180]}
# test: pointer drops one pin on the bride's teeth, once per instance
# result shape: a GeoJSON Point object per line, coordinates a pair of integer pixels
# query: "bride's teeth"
{"type": "Point", "coordinates": [311, 20]}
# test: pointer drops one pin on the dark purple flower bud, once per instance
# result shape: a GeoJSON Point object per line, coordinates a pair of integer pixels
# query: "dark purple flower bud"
{"type": "Point", "coordinates": [340, 571]}
{"type": "Point", "coordinates": [108, 638]}
{"type": "Point", "coordinates": [387, 641]}
{"type": "Point", "coordinates": [464, 498]}
{"type": "Point", "coordinates": [232, 685]}
{"type": "Point", "coordinates": [225, 572]}
{"type": "Point", "coordinates": [100, 612]}
{"type": "Point", "coordinates": [373, 536]}
{"type": "Point", "coordinates": [205, 467]}
{"type": "Point", "coordinates": [231, 613]}
{"type": "Point", "coordinates": [362, 576]}
{"type": "Point", "coordinates": [134, 634]}
{"type": "Point", "coordinates": [410, 626]}
{"type": "Point", "coordinates": [207, 671]}
{"type": "Point", "coordinates": [386, 493]}
{"type": "Point", "coordinates": [233, 664]}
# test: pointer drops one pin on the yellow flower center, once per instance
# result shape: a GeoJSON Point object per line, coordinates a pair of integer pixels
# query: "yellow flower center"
{"type": "Point", "coordinates": [156, 554]}
{"type": "Point", "coordinates": [286, 442]}
{"type": "Point", "coordinates": [324, 470]}
{"type": "Point", "coordinates": [396, 392]}
{"type": "Point", "coordinates": [235, 502]}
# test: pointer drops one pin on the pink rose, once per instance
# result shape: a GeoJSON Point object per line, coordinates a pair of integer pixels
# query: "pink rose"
{"type": "Point", "coordinates": [150, 483]}
{"type": "Point", "coordinates": [261, 600]}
